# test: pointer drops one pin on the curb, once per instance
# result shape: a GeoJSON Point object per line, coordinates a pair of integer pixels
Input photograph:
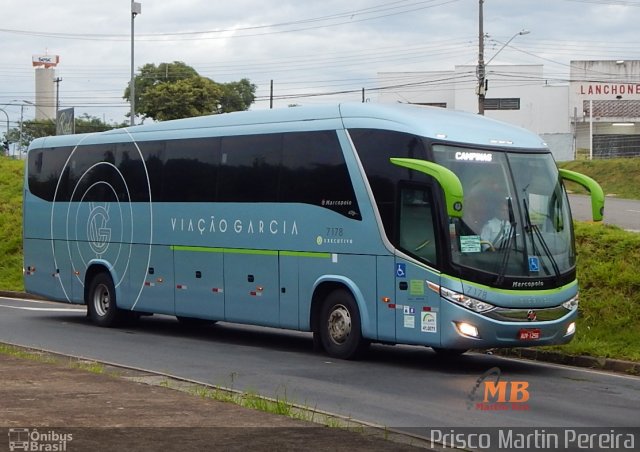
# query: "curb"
{"type": "Point", "coordinates": [590, 362]}
{"type": "Point", "coordinates": [28, 296]}
{"type": "Point", "coordinates": [550, 356]}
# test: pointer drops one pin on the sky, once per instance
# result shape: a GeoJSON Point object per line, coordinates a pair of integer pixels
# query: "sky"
{"type": "Point", "coordinates": [313, 51]}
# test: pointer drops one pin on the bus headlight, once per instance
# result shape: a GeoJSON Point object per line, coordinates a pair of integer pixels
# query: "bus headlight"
{"type": "Point", "coordinates": [465, 301]}
{"type": "Point", "coordinates": [466, 329]}
{"type": "Point", "coordinates": [572, 303]}
{"type": "Point", "coordinates": [571, 329]}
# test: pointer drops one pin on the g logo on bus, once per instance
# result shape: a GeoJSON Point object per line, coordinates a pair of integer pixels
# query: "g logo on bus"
{"type": "Point", "coordinates": [95, 218]}
{"type": "Point", "coordinates": [98, 233]}
{"type": "Point", "coordinates": [531, 315]}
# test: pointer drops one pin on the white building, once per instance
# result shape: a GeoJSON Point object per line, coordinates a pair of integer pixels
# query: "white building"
{"type": "Point", "coordinates": [604, 100]}
{"type": "Point", "coordinates": [521, 95]}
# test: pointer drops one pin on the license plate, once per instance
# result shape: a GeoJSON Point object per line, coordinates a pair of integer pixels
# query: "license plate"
{"type": "Point", "coordinates": [529, 334]}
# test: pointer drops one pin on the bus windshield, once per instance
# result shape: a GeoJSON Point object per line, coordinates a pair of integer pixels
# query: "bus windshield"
{"type": "Point", "coordinates": [516, 221]}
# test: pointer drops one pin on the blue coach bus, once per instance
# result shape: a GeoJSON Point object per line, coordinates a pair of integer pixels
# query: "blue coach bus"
{"type": "Point", "coordinates": [358, 222]}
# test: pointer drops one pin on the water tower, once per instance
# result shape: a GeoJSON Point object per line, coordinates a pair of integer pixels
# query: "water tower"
{"type": "Point", "coordinates": [45, 89]}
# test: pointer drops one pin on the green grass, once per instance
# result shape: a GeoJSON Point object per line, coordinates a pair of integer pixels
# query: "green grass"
{"type": "Point", "coordinates": [22, 353]}
{"type": "Point", "coordinates": [608, 261]}
{"type": "Point", "coordinates": [11, 172]}
{"type": "Point", "coordinates": [88, 366]}
{"type": "Point", "coordinates": [609, 315]}
{"type": "Point", "coordinates": [619, 177]}
{"type": "Point", "coordinates": [45, 357]}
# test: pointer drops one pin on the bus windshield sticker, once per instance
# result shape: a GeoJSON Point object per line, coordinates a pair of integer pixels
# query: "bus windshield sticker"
{"type": "Point", "coordinates": [534, 264]}
{"type": "Point", "coordinates": [416, 287]}
{"type": "Point", "coordinates": [470, 244]}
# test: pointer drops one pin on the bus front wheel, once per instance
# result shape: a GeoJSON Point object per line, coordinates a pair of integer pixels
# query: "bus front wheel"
{"type": "Point", "coordinates": [101, 301]}
{"type": "Point", "coordinates": [339, 330]}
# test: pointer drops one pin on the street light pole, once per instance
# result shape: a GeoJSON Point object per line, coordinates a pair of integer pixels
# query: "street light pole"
{"type": "Point", "coordinates": [520, 33]}
{"type": "Point", "coordinates": [482, 66]}
{"type": "Point", "coordinates": [136, 8]}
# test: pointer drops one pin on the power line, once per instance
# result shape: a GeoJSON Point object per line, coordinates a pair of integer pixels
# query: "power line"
{"type": "Point", "coordinates": [380, 12]}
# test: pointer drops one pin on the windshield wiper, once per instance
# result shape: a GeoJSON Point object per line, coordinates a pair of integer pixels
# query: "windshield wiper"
{"type": "Point", "coordinates": [507, 247]}
{"type": "Point", "coordinates": [533, 229]}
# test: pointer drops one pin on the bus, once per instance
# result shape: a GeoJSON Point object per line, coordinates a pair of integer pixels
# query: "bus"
{"type": "Point", "coordinates": [359, 223]}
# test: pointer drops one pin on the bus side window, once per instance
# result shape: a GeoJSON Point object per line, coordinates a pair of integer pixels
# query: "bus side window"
{"type": "Point", "coordinates": [417, 231]}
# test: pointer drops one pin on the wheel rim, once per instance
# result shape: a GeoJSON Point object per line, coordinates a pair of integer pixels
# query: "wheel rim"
{"type": "Point", "coordinates": [339, 324]}
{"type": "Point", "coordinates": [101, 300]}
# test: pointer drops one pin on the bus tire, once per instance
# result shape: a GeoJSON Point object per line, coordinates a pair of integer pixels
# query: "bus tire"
{"type": "Point", "coordinates": [101, 302]}
{"type": "Point", "coordinates": [339, 326]}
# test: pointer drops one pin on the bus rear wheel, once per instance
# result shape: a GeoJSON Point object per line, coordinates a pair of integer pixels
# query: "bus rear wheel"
{"type": "Point", "coordinates": [339, 329]}
{"type": "Point", "coordinates": [101, 301]}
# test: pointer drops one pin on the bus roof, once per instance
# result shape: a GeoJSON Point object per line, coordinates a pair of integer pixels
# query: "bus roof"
{"type": "Point", "coordinates": [432, 122]}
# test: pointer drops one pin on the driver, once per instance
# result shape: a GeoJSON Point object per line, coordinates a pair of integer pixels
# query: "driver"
{"type": "Point", "coordinates": [497, 228]}
{"type": "Point", "coordinates": [486, 215]}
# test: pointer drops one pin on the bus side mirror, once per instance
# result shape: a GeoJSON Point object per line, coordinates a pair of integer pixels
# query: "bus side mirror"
{"type": "Point", "coordinates": [446, 178]}
{"type": "Point", "coordinates": [597, 195]}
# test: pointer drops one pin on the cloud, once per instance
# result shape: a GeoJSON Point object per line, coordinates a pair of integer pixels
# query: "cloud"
{"type": "Point", "coordinates": [305, 47]}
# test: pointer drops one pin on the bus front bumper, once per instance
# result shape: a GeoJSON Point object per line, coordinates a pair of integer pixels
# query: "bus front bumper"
{"type": "Point", "coordinates": [464, 329]}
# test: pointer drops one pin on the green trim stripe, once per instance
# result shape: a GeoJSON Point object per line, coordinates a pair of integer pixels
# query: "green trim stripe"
{"type": "Point", "coordinates": [305, 254]}
{"type": "Point", "coordinates": [204, 249]}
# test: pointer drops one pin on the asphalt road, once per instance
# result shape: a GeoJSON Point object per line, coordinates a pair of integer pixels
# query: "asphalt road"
{"type": "Point", "coordinates": [401, 387]}
{"type": "Point", "coordinates": [621, 212]}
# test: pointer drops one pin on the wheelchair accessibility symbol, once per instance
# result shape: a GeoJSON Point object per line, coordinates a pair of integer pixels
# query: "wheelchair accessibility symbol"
{"type": "Point", "coordinates": [401, 270]}
{"type": "Point", "coordinates": [534, 264]}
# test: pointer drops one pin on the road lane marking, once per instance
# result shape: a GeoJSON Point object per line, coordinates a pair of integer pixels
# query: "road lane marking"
{"type": "Point", "coordinates": [28, 308]}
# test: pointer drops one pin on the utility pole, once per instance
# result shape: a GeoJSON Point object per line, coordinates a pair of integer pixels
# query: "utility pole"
{"type": "Point", "coordinates": [136, 8]}
{"type": "Point", "coordinates": [57, 81]}
{"type": "Point", "coordinates": [480, 70]}
{"type": "Point", "coordinates": [271, 95]}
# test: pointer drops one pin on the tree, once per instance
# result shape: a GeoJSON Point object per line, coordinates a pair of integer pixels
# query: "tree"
{"type": "Point", "coordinates": [185, 98]}
{"type": "Point", "coordinates": [237, 96]}
{"type": "Point", "coordinates": [176, 90]}
{"type": "Point", "coordinates": [47, 127]}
